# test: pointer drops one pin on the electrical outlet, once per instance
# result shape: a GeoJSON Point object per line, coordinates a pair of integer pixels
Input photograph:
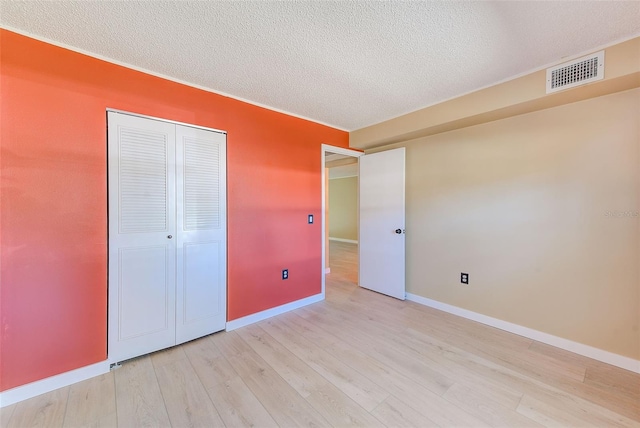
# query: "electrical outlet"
{"type": "Point", "coordinates": [285, 273]}
{"type": "Point", "coordinates": [464, 278]}
{"type": "Point", "coordinates": [310, 219]}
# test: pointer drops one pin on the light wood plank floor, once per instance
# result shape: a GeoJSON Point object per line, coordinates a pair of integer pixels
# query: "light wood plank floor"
{"type": "Point", "coordinates": [357, 359]}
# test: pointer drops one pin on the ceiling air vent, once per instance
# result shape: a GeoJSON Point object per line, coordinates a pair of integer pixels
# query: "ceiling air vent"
{"type": "Point", "coordinates": [575, 73]}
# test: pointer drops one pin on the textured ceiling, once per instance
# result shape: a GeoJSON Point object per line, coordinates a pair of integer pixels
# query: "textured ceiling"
{"type": "Point", "coordinates": [348, 64]}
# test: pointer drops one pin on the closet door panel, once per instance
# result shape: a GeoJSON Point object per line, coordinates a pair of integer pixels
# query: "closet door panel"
{"type": "Point", "coordinates": [144, 279]}
{"type": "Point", "coordinates": [201, 222]}
{"type": "Point", "coordinates": [201, 279]}
{"type": "Point", "coordinates": [142, 225]}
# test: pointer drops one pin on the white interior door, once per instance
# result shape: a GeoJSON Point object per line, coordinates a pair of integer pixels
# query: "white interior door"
{"type": "Point", "coordinates": [201, 197]}
{"type": "Point", "coordinates": [382, 222]}
{"type": "Point", "coordinates": [142, 224]}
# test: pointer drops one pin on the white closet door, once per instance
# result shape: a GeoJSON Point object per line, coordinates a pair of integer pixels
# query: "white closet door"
{"type": "Point", "coordinates": [202, 229]}
{"type": "Point", "coordinates": [142, 244]}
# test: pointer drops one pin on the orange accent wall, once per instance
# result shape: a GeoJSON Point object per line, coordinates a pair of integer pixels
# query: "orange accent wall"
{"type": "Point", "coordinates": [53, 212]}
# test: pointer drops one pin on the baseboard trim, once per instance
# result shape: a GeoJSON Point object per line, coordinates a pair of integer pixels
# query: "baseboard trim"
{"type": "Point", "coordinates": [23, 392]}
{"type": "Point", "coordinates": [559, 342]}
{"type": "Point", "coordinates": [259, 316]}
{"type": "Point", "coordinates": [349, 241]}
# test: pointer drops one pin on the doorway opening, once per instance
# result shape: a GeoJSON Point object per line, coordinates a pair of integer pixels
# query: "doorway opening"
{"type": "Point", "coordinates": [340, 214]}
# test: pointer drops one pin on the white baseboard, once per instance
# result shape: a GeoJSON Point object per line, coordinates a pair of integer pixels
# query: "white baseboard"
{"type": "Point", "coordinates": [61, 380]}
{"type": "Point", "coordinates": [23, 392]}
{"type": "Point", "coordinates": [559, 342]}
{"type": "Point", "coordinates": [350, 241]}
{"type": "Point", "coordinates": [259, 316]}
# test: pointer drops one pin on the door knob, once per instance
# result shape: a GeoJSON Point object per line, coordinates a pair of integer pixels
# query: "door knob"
{"type": "Point", "coordinates": [399, 231]}
{"type": "Point", "coordinates": [169, 236]}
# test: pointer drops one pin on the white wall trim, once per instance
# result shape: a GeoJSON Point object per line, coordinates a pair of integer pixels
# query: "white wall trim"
{"type": "Point", "coordinates": [259, 316]}
{"type": "Point", "coordinates": [559, 342]}
{"type": "Point", "coordinates": [341, 151]}
{"type": "Point", "coordinates": [23, 392]}
{"type": "Point", "coordinates": [350, 241]}
{"type": "Point", "coordinates": [162, 76]}
{"type": "Point", "coordinates": [160, 119]}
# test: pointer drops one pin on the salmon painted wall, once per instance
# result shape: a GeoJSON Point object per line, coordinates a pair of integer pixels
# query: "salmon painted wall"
{"type": "Point", "coordinates": [53, 212]}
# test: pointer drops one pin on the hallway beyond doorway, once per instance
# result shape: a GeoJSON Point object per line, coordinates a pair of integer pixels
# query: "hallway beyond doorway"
{"type": "Point", "coordinates": [343, 261]}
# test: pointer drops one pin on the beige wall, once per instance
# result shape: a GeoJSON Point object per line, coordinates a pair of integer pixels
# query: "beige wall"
{"type": "Point", "coordinates": [521, 204]}
{"type": "Point", "coordinates": [343, 208]}
{"type": "Point", "coordinates": [522, 95]}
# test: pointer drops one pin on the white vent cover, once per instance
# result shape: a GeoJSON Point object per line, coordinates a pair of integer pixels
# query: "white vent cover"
{"type": "Point", "coordinates": [575, 73]}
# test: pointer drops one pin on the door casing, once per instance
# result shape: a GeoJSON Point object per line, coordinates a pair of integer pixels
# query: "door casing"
{"type": "Point", "coordinates": [110, 357]}
{"type": "Point", "coordinates": [326, 148]}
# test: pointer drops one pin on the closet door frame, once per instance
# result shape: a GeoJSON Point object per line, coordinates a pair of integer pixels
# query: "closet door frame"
{"type": "Point", "coordinates": [112, 324]}
{"type": "Point", "coordinates": [159, 119]}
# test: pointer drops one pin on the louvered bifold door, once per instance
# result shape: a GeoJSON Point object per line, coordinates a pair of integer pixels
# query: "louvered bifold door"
{"type": "Point", "coordinates": [142, 229]}
{"type": "Point", "coordinates": [201, 222]}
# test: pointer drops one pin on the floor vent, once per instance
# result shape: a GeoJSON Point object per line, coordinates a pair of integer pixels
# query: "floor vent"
{"type": "Point", "coordinates": [575, 73]}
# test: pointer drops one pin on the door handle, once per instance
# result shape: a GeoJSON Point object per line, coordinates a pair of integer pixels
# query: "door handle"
{"type": "Point", "coordinates": [169, 236]}
{"type": "Point", "coordinates": [399, 231]}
